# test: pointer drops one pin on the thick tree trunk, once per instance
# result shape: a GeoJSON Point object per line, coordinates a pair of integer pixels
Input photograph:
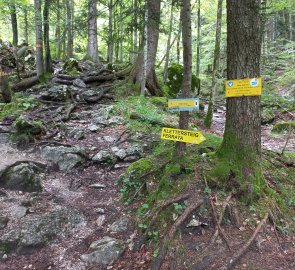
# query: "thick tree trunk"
{"type": "Point", "coordinates": [110, 33]}
{"type": "Point", "coordinates": [26, 23]}
{"type": "Point", "coordinates": [14, 23]}
{"type": "Point", "coordinates": [92, 48]}
{"type": "Point", "coordinates": [58, 30]}
{"type": "Point", "coordinates": [153, 7]}
{"type": "Point", "coordinates": [39, 40]}
{"type": "Point", "coordinates": [241, 146]}
{"type": "Point", "coordinates": [198, 41]}
{"type": "Point", "coordinates": [209, 116]}
{"type": "Point", "coordinates": [178, 40]}
{"type": "Point", "coordinates": [135, 30]}
{"type": "Point", "coordinates": [145, 48]}
{"type": "Point", "coordinates": [4, 88]}
{"type": "Point", "coordinates": [187, 66]}
{"type": "Point", "coordinates": [168, 45]}
{"type": "Point", "coordinates": [48, 60]}
{"type": "Point", "coordinates": [121, 32]}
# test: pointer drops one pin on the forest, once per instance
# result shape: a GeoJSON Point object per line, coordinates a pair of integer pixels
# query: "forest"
{"type": "Point", "coordinates": [147, 134]}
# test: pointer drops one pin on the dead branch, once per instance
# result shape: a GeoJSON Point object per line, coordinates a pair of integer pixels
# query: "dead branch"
{"type": "Point", "coordinates": [225, 204]}
{"type": "Point", "coordinates": [156, 263]}
{"type": "Point", "coordinates": [217, 224]}
{"type": "Point", "coordinates": [245, 247]}
{"type": "Point", "coordinates": [61, 81]}
{"type": "Point", "coordinates": [287, 140]}
{"type": "Point", "coordinates": [70, 109]}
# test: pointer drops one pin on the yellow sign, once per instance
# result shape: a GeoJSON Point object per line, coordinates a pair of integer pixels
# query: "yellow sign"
{"type": "Point", "coordinates": [244, 87]}
{"type": "Point", "coordinates": [183, 104]}
{"type": "Point", "coordinates": [180, 135]}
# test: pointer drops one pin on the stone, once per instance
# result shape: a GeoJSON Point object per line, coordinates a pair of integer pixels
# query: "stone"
{"type": "Point", "coordinates": [56, 93]}
{"type": "Point", "coordinates": [99, 211]}
{"type": "Point", "coordinates": [121, 153]}
{"type": "Point", "coordinates": [71, 65]}
{"type": "Point", "coordinates": [116, 120]}
{"type": "Point", "coordinates": [38, 230]}
{"type": "Point", "coordinates": [120, 225]}
{"type": "Point", "coordinates": [77, 134]}
{"type": "Point", "coordinates": [110, 139]}
{"type": "Point", "coordinates": [100, 221]}
{"type": "Point", "coordinates": [22, 176]}
{"type": "Point", "coordinates": [100, 120]}
{"type": "Point", "coordinates": [106, 251]}
{"type": "Point", "coordinates": [67, 158]}
{"type": "Point", "coordinates": [90, 96]}
{"type": "Point", "coordinates": [3, 222]}
{"type": "Point", "coordinates": [19, 211]}
{"type": "Point", "coordinates": [79, 83]}
{"type": "Point", "coordinates": [94, 128]}
{"type": "Point", "coordinates": [104, 157]}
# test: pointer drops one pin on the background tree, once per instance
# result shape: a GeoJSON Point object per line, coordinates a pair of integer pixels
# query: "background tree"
{"type": "Point", "coordinates": [47, 60]}
{"type": "Point", "coordinates": [92, 47]}
{"type": "Point", "coordinates": [39, 39]}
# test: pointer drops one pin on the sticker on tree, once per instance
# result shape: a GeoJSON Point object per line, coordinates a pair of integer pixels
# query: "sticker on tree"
{"type": "Point", "coordinates": [183, 104]}
{"type": "Point", "coordinates": [180, 135]}
{"type": "Point", "coordinates": [244, 87]}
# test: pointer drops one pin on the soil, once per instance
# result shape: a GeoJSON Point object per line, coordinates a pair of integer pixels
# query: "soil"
{"type": "Point", "coordinates": [72, 190]}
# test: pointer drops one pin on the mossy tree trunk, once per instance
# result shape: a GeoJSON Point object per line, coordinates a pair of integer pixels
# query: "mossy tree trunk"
{"type": "Point", "coordinates": [187, 66]}
{"type": "Point", "coordinates": [47, 60]}
{"type": "Point", "coordinates": [241, 146]}
{"type": "Point", "coordinates": [92, 47]}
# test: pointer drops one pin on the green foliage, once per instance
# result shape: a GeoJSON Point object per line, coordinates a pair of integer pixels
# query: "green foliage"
{"type": "Point", "coordinates": [175, 77]}
{"type": "Point", "coordinates": [284, 127]}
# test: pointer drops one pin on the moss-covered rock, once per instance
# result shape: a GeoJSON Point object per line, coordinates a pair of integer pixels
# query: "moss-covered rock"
{"type": "Point", "coordinates": [71, 66]}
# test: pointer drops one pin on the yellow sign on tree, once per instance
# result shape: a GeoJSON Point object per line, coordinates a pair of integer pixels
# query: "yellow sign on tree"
{"type": "Point", "coordinates": [180, 135]}
{"type": "Point", "coordinates": [244, 87]}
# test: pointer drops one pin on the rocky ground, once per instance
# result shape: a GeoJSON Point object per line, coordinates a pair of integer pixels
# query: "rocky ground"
{"type": "Point", "coordinates": [60, 199]}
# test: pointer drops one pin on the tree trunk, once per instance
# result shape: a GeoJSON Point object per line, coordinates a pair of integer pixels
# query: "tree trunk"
{"type": "Point", "coordinates": [48, 60]}
{"type": "Point", "coordinates": [187, 67]}
{"type": "Point", "coordinates": [241, 146]}
{"type": "Point", "coordinates": [178, 40]}
{"type": "Point", "coordinates": [168, 45]}
{"type": "Point", "coordinates": [145, 48]}
{"type": "Point", "coordinates": [58, 30]}
{"type": "Point", "coordinates": [26, 23]}
{"type": "Point", "coordinates": [39, 40]}
{"type": "Point", "coordinates": [92, 48]}
{"type": "Point", "coordinates": [135, 30]}
{"type": "Point", "coordinates": [153, 7]}
{"type": "Point", "coordinates": [121, 32]}
{"type": "Point", "coordinates": [4, 88]}
{"type": "Point", "coordinates": [198, 42]}
{"type": "Point", "coordinates": [209, 116]}
{"type": "Point", "coordinates": [14, 23]}
{"type": "Point", "coordinates": [110, 34]}
{"type": "Point", "coordinates": [69, 9]}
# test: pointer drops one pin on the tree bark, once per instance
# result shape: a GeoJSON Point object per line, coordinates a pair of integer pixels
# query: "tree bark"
{"type": "Point", "coordinates": [209, 116]}
{"type": "Point", "coordinates": [26, 23]}
{"type": "Point", "coordinates": [14, 23]}
{"type": "Point", "coordinates": [110, 33]}
{"type": "Point", "coordinates": [187, 66]}
{"type": "Point", "coordinates": [39, 40]}
{"type": "Point", "coordinates": [241, 146]}
{"type": "Point", "coordinates": [178, 40]}
{"type": "Point", "coordinates": [198, 42]}
{"type": "Point", "coordinates": [58, 30]}
{"type": "Point", "coordinates": [153, 7]}
{"type": "Point", "coordinates": [92, 48]}
{"type": "Point", "coordinates": [70, 14]}
{"type": "Point", "coordinates": [48, 60]}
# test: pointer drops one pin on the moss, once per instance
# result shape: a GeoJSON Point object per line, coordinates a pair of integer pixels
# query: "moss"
{"type": "Point", "coordinates": [209, 116]}
{"type": "Point", "coordinates": [283, 127]}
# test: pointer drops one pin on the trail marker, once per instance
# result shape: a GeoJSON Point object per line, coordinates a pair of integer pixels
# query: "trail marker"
{"type": "Point", "coordinates": [183, 104]}
{"type": "Point", "coordinates": [244, 87]}
{"type": "Point", "coordinates": [181, 135]}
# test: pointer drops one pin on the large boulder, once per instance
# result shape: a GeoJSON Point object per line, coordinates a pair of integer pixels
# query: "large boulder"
{"type": "Point", "coordinates": [57, 93]}
{"type": "Point", "coordinates": [24, 176]}
{"type": "Point", "coordinates": [36, 231]}
{"type": "Point", "coordinates": [104, 157]}
{"type": "Point", "coordinates": [106, 251]}
{"type": "Point", "coordinates": [66, 158]}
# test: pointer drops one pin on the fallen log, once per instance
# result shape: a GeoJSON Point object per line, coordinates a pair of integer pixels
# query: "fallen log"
{"type": "Point", "coordinates": [25, 84]}
{"type": "Point", "coordinates": [61, 81]}
{"type": "Point", "coordinates": [102, 78]}
{"type": "Point", "coordinates": [67, 77]}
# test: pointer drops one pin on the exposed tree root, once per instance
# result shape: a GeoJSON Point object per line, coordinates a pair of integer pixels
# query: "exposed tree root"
{"type": "Point", "coordinates": [245, 247]}
{"type": "Point", "coordinates": [26, 83]}
{"type": "Point", "coordinates": [156, 264]}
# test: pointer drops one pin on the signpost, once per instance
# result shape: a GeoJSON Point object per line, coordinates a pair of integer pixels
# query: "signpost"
{"type": "Point", "coordinates": [244, 87]}
{"type": "Point", "coordinates": [180, 135]}
{"type": "Point", "coordinates": [183, 104]}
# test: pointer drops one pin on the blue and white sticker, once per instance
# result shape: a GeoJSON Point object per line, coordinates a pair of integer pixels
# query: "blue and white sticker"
{"type": "Point", "coordinates": [230, 83]}
{"type": "Point", "coordinates": [254, 82]}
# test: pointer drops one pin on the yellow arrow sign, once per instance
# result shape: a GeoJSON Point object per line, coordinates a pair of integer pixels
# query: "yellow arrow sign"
{"type": "Point", "coordinates": [180, 135]}
{"type": "Point", "coordinates": [244, 87]}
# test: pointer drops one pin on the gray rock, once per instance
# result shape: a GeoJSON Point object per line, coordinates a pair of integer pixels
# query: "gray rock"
{"type": "Point", "coordinates": [56, 93]}
{"type": "Point", "coordinates": [104, 157]}
{"type": "Point", "coordinates": [120, 225]}
{"type": "Point", "coordinates": [91, 96]}
{"type": "Point", "coordinates": [98, 185]}
{"type": "Point", "coordinates": [23, 176]}
{"type": "Point", "coordinates": [100, 120]}
{"type": "Point", "coordinates": [66, 158]}
{"type": "Point", "coordinates": [79, 83]}
{"type": "Point", "coordinates": [104, 110]}
{"type": "Point", "coordinates": [106, 251]}
{"type": "Point", "coordinates": [121, 154]}
{"type": "Point", "coordinates": [77, 134]}
{"type": "Point", "coordinates": [4, 138]}
{"type": "Point", "coordinates": [116, 120]}
{"type": "Point", "coordinates": [3, 222]}
{"type": "Point", "coordinates": [100, 221]}
{"type": "Point", "coordinates": [35, 231]}
{"type": "Point", "coordinates": [99, 211]}
{"type": "Point", "coordinates": [94, 128]}
{"type": "Point", "coordinates": [19, 211]}
{"type": "Point", "coordinates": [109, 139]}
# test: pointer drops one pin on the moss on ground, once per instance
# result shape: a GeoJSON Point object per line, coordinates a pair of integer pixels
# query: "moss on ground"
{"type": "Point", "coordinates": [284, 127]}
